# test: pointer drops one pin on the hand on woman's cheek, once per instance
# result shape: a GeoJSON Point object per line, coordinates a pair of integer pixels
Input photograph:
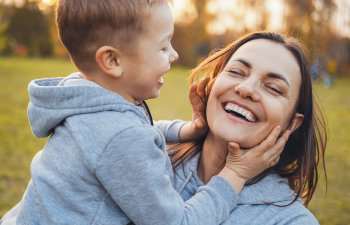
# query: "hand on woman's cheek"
{"type": "Point", "coordinates": [249, 163]}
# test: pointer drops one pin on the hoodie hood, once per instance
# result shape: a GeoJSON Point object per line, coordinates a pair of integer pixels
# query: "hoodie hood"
{"type": "Point", "coordinates": [271, 189]}
{"type": "Point", "coordinates": [52, 100]}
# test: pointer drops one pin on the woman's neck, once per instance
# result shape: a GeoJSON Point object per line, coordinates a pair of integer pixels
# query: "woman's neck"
{"type": "Point", "coordinates": [212, 159]}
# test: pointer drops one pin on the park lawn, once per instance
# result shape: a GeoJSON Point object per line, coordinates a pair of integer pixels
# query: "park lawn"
{"type": "Point", "coordinates": [18, 145]}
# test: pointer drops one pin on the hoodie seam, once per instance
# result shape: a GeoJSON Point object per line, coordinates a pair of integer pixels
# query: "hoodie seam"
{"type": "Point", "coordinates": [99, 207]}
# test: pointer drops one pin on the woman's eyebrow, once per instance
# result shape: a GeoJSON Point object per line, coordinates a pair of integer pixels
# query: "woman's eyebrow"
{"type": "Point", "coordinates": [271, 75]}
{"type": "Point", "coordinates": [244, 62]}
{"type": "Point", "coordinates": [278, 76]}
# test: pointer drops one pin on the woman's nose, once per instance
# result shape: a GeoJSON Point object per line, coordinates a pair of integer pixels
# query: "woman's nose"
{"type": "Point", "coordinates": [248, 88]}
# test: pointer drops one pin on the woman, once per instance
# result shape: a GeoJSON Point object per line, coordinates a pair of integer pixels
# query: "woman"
{"type": "Point", "coordinates": [256, 83]}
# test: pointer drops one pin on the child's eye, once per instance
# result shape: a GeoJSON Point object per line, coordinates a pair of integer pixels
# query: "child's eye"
{"type": "Point", "coordinates": [165, 49]}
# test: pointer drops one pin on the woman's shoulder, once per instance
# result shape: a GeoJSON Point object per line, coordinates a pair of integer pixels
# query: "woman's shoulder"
{"type": "Point", "coordinates": [271, 189]}
{"type": "Point", "coordinates": [270, 201]}
{"type": "Point", "coordinates": [293, 214]}
{"type": "Point", "coordinates": [296, 214]}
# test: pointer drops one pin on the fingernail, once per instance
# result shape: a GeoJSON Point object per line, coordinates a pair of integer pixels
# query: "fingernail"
{"type": "Point", "coordinates": [278, 129]}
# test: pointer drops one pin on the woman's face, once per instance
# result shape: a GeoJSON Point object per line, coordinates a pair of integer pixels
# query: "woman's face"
{"type": "Point", "coordinates": [257, 90]}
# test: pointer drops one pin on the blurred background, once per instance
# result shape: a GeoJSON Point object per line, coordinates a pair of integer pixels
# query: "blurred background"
{"type": "Point", "coordinates": [30, 49]}
{"type": "Point", "coordinates": [27, 27]}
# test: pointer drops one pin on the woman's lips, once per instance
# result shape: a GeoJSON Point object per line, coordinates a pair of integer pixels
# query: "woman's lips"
{"type": "Point", "coordinates": [238, 113]}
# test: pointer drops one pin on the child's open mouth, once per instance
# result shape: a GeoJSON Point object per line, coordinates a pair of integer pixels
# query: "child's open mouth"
{"type": "Point", "coordinates": [161, 81]}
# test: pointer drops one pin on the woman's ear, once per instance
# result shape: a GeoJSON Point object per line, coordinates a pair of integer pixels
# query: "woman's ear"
{"type": "Point", "coordinates": [296, 122]}
{"type": "Point", "coordinates": [108, 60]}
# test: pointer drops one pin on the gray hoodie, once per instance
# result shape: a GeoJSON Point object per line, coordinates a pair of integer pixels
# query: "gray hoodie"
{"type": "Point", "coordinates": [105, 164]}
{"type": "Point", "coordinates": [253, 206]}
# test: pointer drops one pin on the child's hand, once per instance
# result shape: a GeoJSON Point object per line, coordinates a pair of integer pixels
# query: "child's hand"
{"type": "Point", "coordinates": [198, 127]}
{"type": "Point", "coordinates": [249, 163]}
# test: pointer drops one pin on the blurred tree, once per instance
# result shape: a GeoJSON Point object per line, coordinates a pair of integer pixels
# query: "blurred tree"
{"type": "Point", "coordinates": [29, 27]}
{"type": "Point", "coordinates": [258, 8]}
{"type": "Point", "coordinates": [5, 12]}
{"type": "Point", "coordinates": [58, 48]}
{"type": "Point", "coordinates": [191, 39]}
{"type": "Point", "coordinates": [311, 21]}
{"type": "Point", "coordinates": [195, 39]}
{"type": "Point", "coordinates": [3, 26]}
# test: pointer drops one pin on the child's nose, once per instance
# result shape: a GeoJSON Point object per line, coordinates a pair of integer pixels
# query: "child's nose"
{"type": "Point", "coordinates": [173, 56]}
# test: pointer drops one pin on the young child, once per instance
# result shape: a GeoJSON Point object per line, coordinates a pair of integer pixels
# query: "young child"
{"type": "Point", "coordinates": [104, 163]}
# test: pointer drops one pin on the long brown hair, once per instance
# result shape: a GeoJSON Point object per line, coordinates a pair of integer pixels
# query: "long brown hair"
{"type": "Point", "coordinates": [305, 147]}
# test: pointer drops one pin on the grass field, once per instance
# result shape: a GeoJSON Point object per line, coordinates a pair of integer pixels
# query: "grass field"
{"type": "Point", "coordinates": [18, 145]}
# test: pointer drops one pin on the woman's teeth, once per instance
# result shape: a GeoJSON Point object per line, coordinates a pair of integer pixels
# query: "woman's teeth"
{"type": "Point", "coordinates": [230, 107]}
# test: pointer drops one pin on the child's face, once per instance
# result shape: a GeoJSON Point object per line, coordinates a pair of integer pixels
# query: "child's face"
{"type": "Point", "coordinates": [143, 71]}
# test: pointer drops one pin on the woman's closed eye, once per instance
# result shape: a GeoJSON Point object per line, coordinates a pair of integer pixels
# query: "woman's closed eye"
{"type": "Point", "coordinates": [275, 89]}
{"type": "Point", "coordinates": [237, 72]}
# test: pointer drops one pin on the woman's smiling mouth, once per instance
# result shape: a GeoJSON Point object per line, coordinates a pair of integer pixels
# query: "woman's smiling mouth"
{"type": "Point", "coordinates": [239, 112]}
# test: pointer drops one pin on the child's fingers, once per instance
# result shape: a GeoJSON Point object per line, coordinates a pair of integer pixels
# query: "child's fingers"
{"type": "Point", "coordinates": [195, 100]}
{"type": "Point", "coordinates": [284, 138]}
{"type": "Point", "coordinates": [270, 140]}
{"type": "Point", "coordinates": [235, 152]}
{"type": "Point", "coordinates": [210, 86]}
{"type": "Point", "coordinates": [201, 87]}
{"type": "Point", "coordinates": [274, 161]}
{"type": "Point", "coordinates": [192, 92]}
{"type": "Point", "coordinates": [199, 123]}
{"type": "Point", "coordinates": [274, 152]}
{"type": "Point", "coordinates": [281, 142]}
{"type": "Point", "coordinates": [233, 146]}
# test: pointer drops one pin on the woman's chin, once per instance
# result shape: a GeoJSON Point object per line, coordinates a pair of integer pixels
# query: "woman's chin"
{"type": "Point", "coordinates": [244, 141]}
{"type": "Point", "coordinates": [245, 144]}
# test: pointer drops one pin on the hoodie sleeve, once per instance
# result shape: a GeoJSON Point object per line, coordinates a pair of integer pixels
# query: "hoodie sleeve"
{"type": "Point", "coordinates": [170, 129]}
{"type": "Point", "coordinates": [135, 170]}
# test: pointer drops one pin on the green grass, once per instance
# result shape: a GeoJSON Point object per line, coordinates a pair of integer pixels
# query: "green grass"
{"type": "Point", "coordinates": [334, 207]}
{"type": "Point", "coordinates": [18, 145]}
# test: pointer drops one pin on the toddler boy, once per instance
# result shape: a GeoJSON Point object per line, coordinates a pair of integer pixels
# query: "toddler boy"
{"type": "Point", "coordinates": [104, 163]}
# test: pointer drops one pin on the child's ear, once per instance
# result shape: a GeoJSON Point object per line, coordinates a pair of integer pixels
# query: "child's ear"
{"type": "Point", "coordinates": [108, 59]}
{"type": "Point", "coordinates": [296, 122]}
